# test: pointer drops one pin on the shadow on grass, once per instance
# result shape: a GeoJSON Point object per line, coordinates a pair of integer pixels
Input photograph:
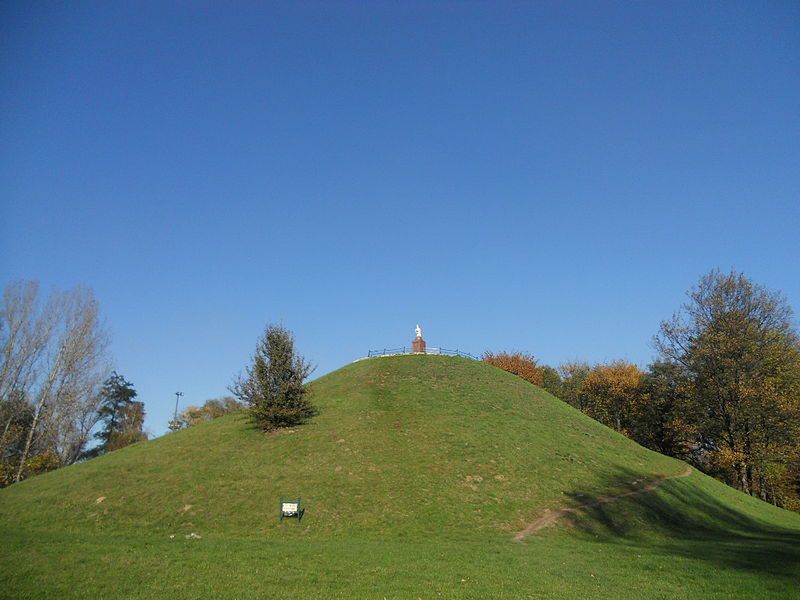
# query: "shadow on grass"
{"type": "Point", "coordinates": [684, 518]}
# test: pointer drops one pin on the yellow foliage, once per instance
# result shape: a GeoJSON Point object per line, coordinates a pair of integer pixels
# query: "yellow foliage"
{"type": "Point", "coordinates": [518, 363]}
{"type": "Point", "coordinates": [612, 392]}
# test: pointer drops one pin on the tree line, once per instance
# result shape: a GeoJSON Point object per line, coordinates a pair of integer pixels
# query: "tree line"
{"type": "Point", "coordinates": [723, 392]}
{"type": "Point", "coordinates": [59, 401]}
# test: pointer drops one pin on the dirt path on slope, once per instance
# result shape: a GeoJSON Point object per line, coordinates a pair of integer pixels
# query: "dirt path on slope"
{"type": "Point", "coordinates": [549, 517]}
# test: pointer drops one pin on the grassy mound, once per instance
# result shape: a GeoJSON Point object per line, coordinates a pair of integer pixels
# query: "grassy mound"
{"type": "Point", "coordinates": [416, 475]}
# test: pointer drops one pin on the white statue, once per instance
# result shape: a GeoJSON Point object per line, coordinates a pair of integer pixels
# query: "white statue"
{"type": "Point", "coordinates": [419, 331]}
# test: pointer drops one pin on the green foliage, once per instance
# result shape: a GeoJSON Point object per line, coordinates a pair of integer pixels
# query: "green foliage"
{"type": "Point", "coordinates": [130, 424]}
{"type": "Point", "coordinates": [16, 416]}
{"type": "Point", "coordinates": [665, 419]}
{"type": "Point", "coordinates": [737, 344]}
{"type": "Point", "coordinates": [122, 416]}
{"type": "Point", "coordinates": [551, 380]}
{"type": "Point", "coordinates": [653, 408]}
{"type": "Point", "coordinates": [274, 385]}
{"type": "Point", "coordinates": [413, 461]}
{"type": "Point", "coordinates": [573, 374]}
{"type": "Point", "coordinates": [724, 395]}
{"type": "Point", "coordinates": [35, 463]}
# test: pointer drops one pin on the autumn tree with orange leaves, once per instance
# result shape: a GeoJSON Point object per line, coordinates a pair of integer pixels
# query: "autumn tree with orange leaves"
{"type": "Point", "coordinates": [518, 363]}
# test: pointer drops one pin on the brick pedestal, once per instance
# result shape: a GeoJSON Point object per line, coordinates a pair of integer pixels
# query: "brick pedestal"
{"type": "Point", "coordinates": [418, 345]}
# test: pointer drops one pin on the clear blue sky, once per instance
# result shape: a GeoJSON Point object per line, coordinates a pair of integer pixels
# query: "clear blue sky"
{"type": "Point", "coordinates": [549, 177]}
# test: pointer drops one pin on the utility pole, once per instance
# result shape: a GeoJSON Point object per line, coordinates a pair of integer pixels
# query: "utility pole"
{"type": "Point", "coordinates": [174, 425]}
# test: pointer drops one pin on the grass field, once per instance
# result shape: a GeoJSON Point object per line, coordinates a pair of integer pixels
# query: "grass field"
{"type": "Point", "coordinates": [416, 476]}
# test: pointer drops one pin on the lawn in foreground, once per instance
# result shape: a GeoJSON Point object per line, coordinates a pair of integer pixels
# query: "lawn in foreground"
{"type": "Point", "coordinates": [681, 541]}
{"type": "Point", "coordinates": [556, 564]}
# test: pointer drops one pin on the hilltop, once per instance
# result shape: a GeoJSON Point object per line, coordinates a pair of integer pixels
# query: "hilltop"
{"type": "Point", "coordinates": [422, 476]}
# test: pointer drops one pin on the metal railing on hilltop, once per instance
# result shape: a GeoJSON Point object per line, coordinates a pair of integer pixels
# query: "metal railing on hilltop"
{"type": "Point", "coordinates": [408, 350]}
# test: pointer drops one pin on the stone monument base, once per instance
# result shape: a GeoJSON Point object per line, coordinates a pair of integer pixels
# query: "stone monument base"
{"type": "Point", "coordinates": [418, 346]}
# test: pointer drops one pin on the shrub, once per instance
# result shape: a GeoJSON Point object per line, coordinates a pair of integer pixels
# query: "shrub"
{"type": "Point", "coordinates": [518, 363]}
{"type": "Point", "coordinates": [211, 409]}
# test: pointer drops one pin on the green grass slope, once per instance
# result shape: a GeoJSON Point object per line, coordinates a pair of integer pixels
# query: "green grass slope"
{"type": "Point", "coordinates": [416, 476]}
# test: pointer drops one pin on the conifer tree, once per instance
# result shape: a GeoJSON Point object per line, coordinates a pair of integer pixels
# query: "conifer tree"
{"type": "Point", "coordinates": [121, 415]}
{"type": "Point", "coordinates": [273, 386]}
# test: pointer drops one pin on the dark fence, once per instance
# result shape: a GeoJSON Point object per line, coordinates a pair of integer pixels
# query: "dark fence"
{"type": "Point", "coordinates": [408, 350]}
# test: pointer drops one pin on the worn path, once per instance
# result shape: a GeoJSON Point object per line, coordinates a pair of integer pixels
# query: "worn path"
{"type": "Point", "coordinates": [549, 517]}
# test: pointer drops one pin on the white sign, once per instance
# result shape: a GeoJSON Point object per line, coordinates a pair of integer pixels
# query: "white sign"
{"type": "Point", "coordinates": [289, 507]}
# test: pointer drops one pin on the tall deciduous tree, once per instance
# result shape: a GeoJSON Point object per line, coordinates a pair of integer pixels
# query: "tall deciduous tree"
{"type": "Point", "coordinates": [613, 394]}
{"type": "Point", "coordinates": [274, 385]}
{"type": "Point", "coordinates": [573, 374]}
{"type": "Point", "coordinates": [666, 415]}
{"type": "Point", "coordinates": [16, 415]}
{"type": "Point", "coordinates": [736, 341]}
{"type": "Point", "coordinates": [53, 358]}
{"type": "Point", "coordinates": [551, 380]}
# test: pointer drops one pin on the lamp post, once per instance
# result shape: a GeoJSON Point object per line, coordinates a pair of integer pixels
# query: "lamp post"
{"type": "Point", "coordinates": [174, 425]}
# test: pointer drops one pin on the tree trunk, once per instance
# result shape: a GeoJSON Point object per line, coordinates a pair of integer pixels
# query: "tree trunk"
{"type": "Point", "coordinates": [747, 470]}
{"type": "Point", "coordinates": [45, 393]}
{"type": "Point", "coordinates": [744, 480]}
{"type": "Point", "coordinates": [5, 432]}
{"type": "Point", "coordinates": [29, 440]}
